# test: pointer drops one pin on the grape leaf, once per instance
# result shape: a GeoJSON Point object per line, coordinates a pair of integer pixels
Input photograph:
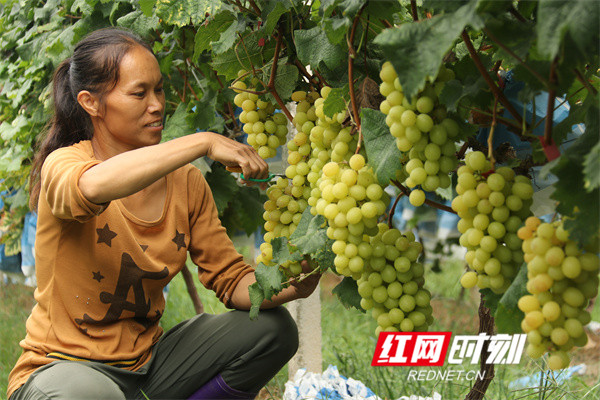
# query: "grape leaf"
{"type": "Point", "coordinates": [491, 299]}
{"type": "Point", "coordinates": [416, 50]}
{"type": "Point", "coordinates": [256, 298]}
{"type": "Point", "coordinates": [223, 187]}
{"type": "Point", "coordinates": [336, 101]}
{"type": "Point", "coordinates": [515, 35]}
{"type": "Point", "coordinates": [444, 5]}
{"type": "Point", "coordinates": [382, 152]}
{"type": "Point", "coordinates": [383, 9]}
{"type": "Point", "coordinates": [592, 169]}
{"type": "Point", "coordinates": [176, 124]}
{"type": "Point", "coordinates": [269, 279]}
{"type": "Point", "coordinates": [285, 80]}
{"type": "Point", "coordinates": [313, 47]}
{"type": "Point", "coordinates": [244, 211]}
{"type": "Point", "coordinates": [454, 91]}
{"type": "Point", "coordinates": [556, 18]}
{"type": "Point", "coordinates": [83, 6]}
{"type": "Point", "coordinates": [185, 12]}
{"type": "Point", "coordinates": [574, 200]}
{"type": "Point", "coordinates": [282, 253]}
{"type": "Point", "coordinates": [139, 22]}
{"type": "Point", "coordinates": [271, 15]}
{"type": "Point", "coordinates": [327, 7]}
{"type": "Point", "coordinates": [228, 63]}
{"type": "Point", "coordinates": [61, 45]}
{"type": "Point", "coordinates": [229, 36]}
{"type": "Point", "coordinates": [508, 317]}
{"type": "Point", "coordinates": [336, 29]}
{"type": "Point", "coordinates": [310, 235]}
{"type": "Point", "coordinates": [325, 257]}
{"type": "Point", "coordinates": [147, 6]}
{"type": "Point", "coordinates": [347, 292]}
{"type": "Point", "coordinates": [210, 32]}
{"type": "Point", "coordinates": [350, 7]}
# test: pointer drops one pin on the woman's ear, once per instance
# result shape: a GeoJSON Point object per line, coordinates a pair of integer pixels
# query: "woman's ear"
{"type": "Point", "coordinates": [89, 102]}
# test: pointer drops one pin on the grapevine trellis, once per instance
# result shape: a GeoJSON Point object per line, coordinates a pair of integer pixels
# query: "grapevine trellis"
{"type": "Point", "coordinates": [385, 93]}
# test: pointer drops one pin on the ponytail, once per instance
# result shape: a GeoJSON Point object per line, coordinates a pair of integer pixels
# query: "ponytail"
{"type": "Point", "coordinates": [94, 66]}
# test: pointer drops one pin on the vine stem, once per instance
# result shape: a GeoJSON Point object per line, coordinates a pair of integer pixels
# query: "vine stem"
{"type": "Point", "coordinates": [509, 123]}
{"type": "Point", "coordinates": [351, 55]}
{"type": "Point", "coordinates": [413, 10]}
{"type": "Point", "coordinates": [490, 140]}
{"type": "Point", "coordinates": [461, 153]}
{"type": "Point", "coordinates": [301, 277]}
{"type": "Point", "coordinates": [430, 203]}
{"type": "Point", "coordinates": [305, 73]}
{"type": "Point", "coordinates": [239, 5]}
{"type": "Point", "coordinates": [517, 14]}
{"type": "Point", "coordinates": [516, 57]}
{"type": "Point", "coordinates": [550, 106]}
{"type": "Point", "coordinates": [271, 84]}
{"type": "Point", "coordinates": [254, 7]}
{"type": "Point", "coordinates": [393, 210]}
{"type": "Point", "coordinates": [492, 85]}
{"type": "Point", "coordinates": [486, 325]}
{"type": "Point", "coordinates": [186, 84]}
{"type": "Point", "coordinates": [321, 79]}
{"type": "Point", "coordinates": [585, 82]}
{"type": "Point", "coordinates": [229, 106]}
{"type": "Point", "coordinates": [386, 23]}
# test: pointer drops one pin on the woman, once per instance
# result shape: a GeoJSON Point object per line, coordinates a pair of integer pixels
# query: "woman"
{"type": "Point", "coordinates": [117, 214]}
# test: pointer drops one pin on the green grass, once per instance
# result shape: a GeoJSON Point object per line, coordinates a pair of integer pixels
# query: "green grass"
{"type": "Point", "coordinates": [16, 302]}
{"type": "Point", "coordinates": [348, 342]}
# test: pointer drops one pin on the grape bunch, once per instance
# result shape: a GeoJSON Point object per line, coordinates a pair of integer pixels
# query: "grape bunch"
{"type": "Point", "coordinates": [330, 135]}
{"type": "Point", "coordinates": [288, 198]}
{"type": "Point", "coordinates": [299, 147]}
{"type": "Point", "coordinates": [391, 284]}
{"type": "Point", "coordinates": [422, 130]}
{"type": "Point", "coordinates": [266, 128]}
{"type": "Point", "coordinates": [282, 214]}
{"type": "Point", "coordinates": [492, 206]}
{"type": "Point", "coordinates": [562, 278]}
{"type": "Point", "coordinates": [351, 200]}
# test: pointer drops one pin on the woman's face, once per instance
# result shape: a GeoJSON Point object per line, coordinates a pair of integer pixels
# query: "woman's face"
{"type": "Point", "coordinates": [132, 113]}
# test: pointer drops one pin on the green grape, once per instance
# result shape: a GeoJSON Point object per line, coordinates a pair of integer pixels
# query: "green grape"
{"type": "Point", "coordinates": [556, 278]}
{"type": "Point", "coordinates": [423, 131]}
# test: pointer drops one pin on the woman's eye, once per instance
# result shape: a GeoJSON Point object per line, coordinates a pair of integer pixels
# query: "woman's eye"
{"type": "Point", "coordinates": [139, 94]}
{"type": "Point", "coordinates": [159, 90]}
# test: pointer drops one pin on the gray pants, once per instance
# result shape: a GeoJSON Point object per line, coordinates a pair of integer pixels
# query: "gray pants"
{"type": "Point", "coordinates": [246, 353]}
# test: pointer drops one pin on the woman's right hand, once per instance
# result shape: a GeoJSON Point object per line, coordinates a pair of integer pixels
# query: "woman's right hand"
{"type": "Point", "coordinates": [235, 154]}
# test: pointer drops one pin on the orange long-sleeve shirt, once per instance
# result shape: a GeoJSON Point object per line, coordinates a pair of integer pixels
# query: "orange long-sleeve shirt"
{"type": "Point", "coordinates": [101, 270]}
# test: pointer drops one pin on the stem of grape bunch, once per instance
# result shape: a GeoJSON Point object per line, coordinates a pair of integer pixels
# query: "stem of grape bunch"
{"type": "Point", "coordinates": [430, 203]}
{"type": "Point", "coordinates": [393, 210]}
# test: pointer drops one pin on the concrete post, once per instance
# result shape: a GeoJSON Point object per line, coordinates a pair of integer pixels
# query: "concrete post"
{"type": "Point", "coordinates": [307, 314]}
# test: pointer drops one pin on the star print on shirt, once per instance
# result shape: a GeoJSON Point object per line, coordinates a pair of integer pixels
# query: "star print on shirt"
{"type": "Point", "coordinates": [179, 240]}
{"type": "Point", "coordinates": [98, 276]}
{"type": "Point", "coordinates": [105, 235]}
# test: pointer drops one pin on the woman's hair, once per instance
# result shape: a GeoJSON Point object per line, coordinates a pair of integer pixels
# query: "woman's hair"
{"type": "Point", "coordinates": [94, 66]}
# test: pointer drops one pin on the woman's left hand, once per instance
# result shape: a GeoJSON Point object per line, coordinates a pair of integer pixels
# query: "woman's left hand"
{"type": "Point", "coordinates": [306, 286]}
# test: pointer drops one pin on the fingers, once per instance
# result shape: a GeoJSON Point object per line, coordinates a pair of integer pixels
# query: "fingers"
{"type": "Point", "coordinates": [239, 157]}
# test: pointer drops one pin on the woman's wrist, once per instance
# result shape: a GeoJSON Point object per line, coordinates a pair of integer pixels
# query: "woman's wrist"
{"type": "Point", "coordinates": [204, 142]}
